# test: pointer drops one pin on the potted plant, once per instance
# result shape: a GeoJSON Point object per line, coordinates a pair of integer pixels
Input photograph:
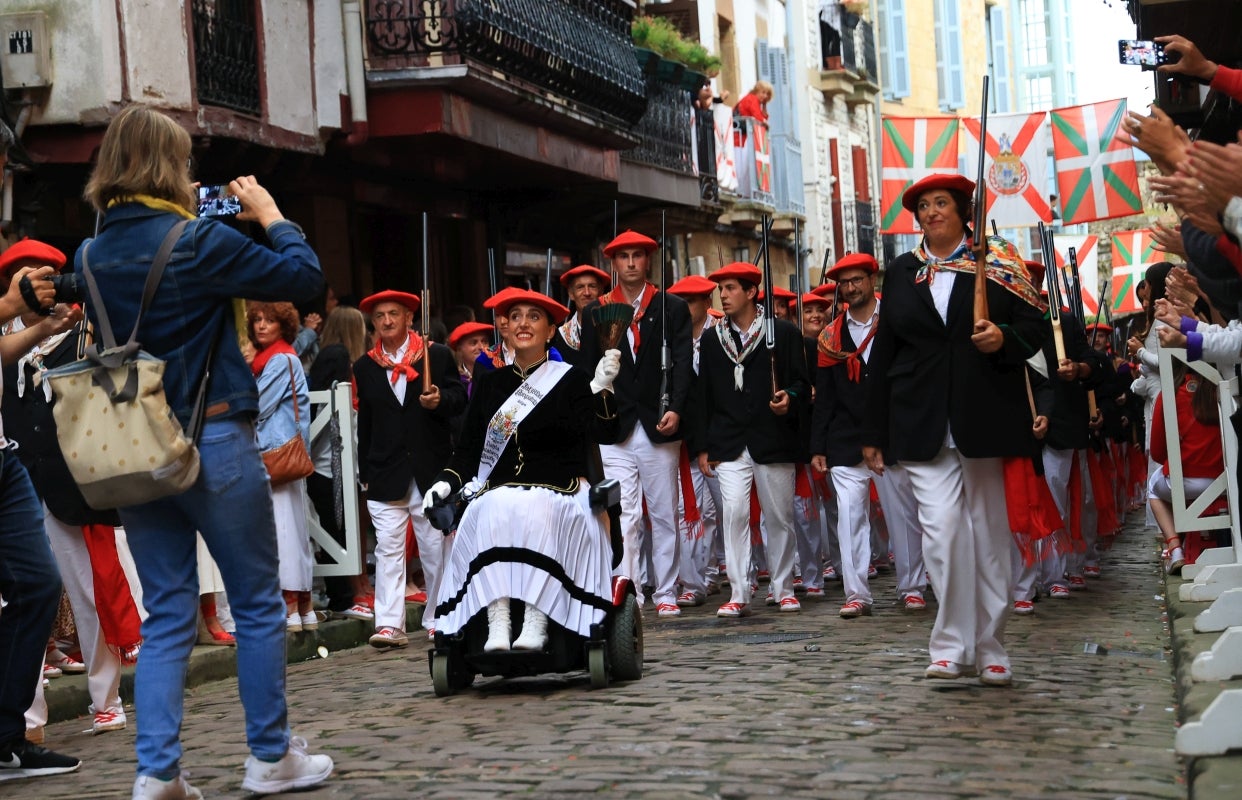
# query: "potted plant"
{"type": "Point", "coordinates": [640, 34]}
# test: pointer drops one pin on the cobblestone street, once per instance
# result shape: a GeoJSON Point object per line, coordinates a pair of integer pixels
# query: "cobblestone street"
{"type": "Point", "coordinates": [793, 705]}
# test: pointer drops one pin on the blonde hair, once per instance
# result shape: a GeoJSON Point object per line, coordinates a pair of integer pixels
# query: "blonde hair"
{"type": "Point", "coordinates": [142, 152]}
{"type": "Point", "coordinates": [346, 326]}
{"type": "Point", "coordinates": [763, 87]}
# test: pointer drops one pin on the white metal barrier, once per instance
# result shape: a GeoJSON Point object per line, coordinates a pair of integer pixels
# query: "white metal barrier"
{"type": "Point", "coordinates": [349, 559]}
{"type": "Point", "coordinates": [1216, 578]}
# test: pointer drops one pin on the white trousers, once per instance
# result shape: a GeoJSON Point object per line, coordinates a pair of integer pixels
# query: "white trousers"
{"type": "Point", "coordinates": [905, 537]}
{"type": "Point", "coordinates": [966, 544]}
{"type": "Point", "coordinates": [811, 531]}
{"type": "Point", "coordinates": [852, 486]}
{"type": "Point", "coordinates": [1076, 560]}
{"type": "Point", "coordinates": [774, 483]}
{"type": "Point", "coordinates": [1050, 570]}
{"type": "Point", "coordinates": [389, 519]}
{"type": "Point", "coordinates": [103, 667]}
{"type": "Point", "coordinates": [695, 549]}
{"type": "Point", "coordinates": [648, 470]}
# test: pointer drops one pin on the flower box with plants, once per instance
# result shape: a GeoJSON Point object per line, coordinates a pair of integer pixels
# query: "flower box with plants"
{"type": "Point", "coordinates": [664, 52]}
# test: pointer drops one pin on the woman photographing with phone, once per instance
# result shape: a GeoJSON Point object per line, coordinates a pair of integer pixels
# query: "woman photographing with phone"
{"type": "Point", "coordinates": [142, 186]}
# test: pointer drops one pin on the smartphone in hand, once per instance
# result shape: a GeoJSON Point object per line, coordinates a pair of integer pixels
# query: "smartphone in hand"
{"type": "Point", "coordinates": [217, 201]}
{"type": "Point", "coordinates": [1141, 53]}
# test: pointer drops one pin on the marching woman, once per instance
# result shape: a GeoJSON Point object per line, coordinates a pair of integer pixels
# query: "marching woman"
{"type": "Point", "coordinates": [947, 399]}
{"type": "Point", "coordinates": [529, 532]}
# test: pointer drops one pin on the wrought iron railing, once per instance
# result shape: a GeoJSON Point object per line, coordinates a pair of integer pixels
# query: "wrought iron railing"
{"type": "Point", "coordinates": [226, 54]}
{"type": "Point", "coordinates": [578, 49]}
{"type": "Point", "coordinates": [705, 149]}
{"type": "Point", "coordinates": [858, 46]}
{"type": "Point", "coordinates": [664, 131]}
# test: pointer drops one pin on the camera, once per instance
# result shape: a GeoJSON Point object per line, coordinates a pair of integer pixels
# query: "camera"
{"type": "Point", "coordinates": [218, 201]}
{"type": "Point", "coordinates": [69, 288]}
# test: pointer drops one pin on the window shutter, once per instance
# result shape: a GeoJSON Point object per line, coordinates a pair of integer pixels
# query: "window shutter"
{"type": "Point", "coordinates": [1002, 77]}
{"type": "Point", "coordinates": [954, 93]}
{"type": "Point", "coordinates": [897, 63]}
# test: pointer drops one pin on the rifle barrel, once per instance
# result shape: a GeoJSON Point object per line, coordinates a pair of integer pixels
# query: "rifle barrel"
{"type": "Point", "coordinates": [981, 210]}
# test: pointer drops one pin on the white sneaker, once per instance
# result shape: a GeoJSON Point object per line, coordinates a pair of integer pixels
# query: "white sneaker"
{"type": "Point", "coordinates": [297, 770]}
{"type": "Point", "coordinates": [149, 787]}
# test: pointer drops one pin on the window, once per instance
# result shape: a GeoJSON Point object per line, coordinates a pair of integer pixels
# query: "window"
{"type": "Point", "coordinates": [226, 60]}
{"type": "Point", "coordinates": [890, 24]}
{"type": "Point", "coordinates": [949, 55]}
{"type": "Point", "coordinates": [1035, 33]}
{"type": "Point", "coordinates": [1002, 75]}
{"type": "Point", "coordinates": [1039, 92]}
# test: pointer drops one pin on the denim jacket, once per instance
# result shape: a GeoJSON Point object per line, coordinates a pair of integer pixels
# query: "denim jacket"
{"type": "Point", "coordinates": [210, 264]}
{"type": "Point", "coordinates": [276, 421]}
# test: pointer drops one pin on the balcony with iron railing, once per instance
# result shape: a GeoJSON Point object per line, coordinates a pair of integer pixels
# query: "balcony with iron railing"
{"type": "Point", "coordinates": [854, 72]}
{"type": "Point", "coordinates": [568, 63]}
{"type": "Point", "coordinates": [226, 54]}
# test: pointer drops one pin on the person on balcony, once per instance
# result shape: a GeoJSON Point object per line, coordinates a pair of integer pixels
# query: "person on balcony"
{"type": "Point", "coordinates": [754, 104]}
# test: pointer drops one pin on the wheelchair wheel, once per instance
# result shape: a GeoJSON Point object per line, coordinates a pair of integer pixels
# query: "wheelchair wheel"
{"type": "Point", "coordinates": [625, 641]}
{"type": "Point", "coordinates": [440, 675]}
{"type": "Point", "coordinates": [597, 664]}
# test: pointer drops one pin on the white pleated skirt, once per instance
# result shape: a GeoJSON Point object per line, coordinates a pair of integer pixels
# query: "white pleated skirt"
{"type": "Point", "coordinates": [543, 547]}
{"type": "Point", "coordinates": [297, 562]}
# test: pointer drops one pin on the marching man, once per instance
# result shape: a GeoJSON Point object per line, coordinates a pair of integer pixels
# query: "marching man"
{"type": "Point", "coordinates": [749, 433]}
{"type": "Point", "coordinates": [403, 440]}
{"type": "Point", "coordinates": [584, 283]}
{"type": "Point", "coordinates": [644, 456]}
{"type": "Point", "coordinates": [840, 400]}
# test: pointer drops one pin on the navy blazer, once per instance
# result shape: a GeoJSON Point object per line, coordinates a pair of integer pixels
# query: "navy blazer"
{"type": "Point", "coordinates": [927, 376]}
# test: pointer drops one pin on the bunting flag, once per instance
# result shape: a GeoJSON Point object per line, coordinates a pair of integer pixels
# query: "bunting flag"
{"type": "Point", "coordinates": [1087, 252]}
{"type": "Point", "coordinates": [1096, 174]}
{"type": "Point", "coordinates": [913, 148]}
{"type": "Point", "coordinates": [1016, 167]}
{"type": "Point", "coordinates": [1133, 253]}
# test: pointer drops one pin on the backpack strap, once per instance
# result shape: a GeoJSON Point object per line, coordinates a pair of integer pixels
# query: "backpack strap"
{"type": "Point", "coordinates": [110, 356]}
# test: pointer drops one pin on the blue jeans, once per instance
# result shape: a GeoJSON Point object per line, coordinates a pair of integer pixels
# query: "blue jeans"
{"type": "Point", "coordinates": [30, 584]}
{"type": "Point", "coordinates": [231, 506]}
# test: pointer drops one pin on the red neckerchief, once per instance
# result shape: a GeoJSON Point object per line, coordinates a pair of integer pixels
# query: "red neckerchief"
{"type": "Point", "coordinates": [831, 354]}
{"type": "Point", "coordinates": [618, 296]}
{"type": "Point", "coordinates": [276, 347]}
{"type": "Point", "coordinates": [406, 366]}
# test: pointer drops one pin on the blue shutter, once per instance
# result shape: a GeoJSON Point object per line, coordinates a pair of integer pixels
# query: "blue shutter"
{"type": "Point", "coordinates": [949, 56]}
{"type": "Point", "coordinates": [891, 27]}
{"type": "Point", "coordinates": [1002, 75]}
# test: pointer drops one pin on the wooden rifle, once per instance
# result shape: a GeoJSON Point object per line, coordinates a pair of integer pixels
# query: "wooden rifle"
{"type": "Point", "coordinates": [769, 305]}
{"type": "Point", "coordinates": [1053, 283]}
{"type": "Point", "coordinates": [1093, 409]}
{"type": "Point", "coordinates": [425, 305]}
{"type": "Point", "coordinates": [981, 210]}
{"type": "Point", "coordinates": [666, 354]}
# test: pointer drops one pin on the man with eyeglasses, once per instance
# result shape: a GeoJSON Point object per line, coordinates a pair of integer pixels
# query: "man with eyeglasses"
{"type": "Point", "coordinates": [836, 445]}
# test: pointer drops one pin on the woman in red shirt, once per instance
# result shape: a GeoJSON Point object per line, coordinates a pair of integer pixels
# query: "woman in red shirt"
{"type": "Point", "coordinates": [755, 103]}
{"type": "Point", "coordinates": [1203, 459]}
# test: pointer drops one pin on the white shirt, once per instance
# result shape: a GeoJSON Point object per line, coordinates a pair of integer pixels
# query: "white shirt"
{"type": "Point", "coordinates": [860, 330]}
{"type": "Point", "coordinates": [941, 285]}
{"type": "Point", "coordinates": [398, 388]}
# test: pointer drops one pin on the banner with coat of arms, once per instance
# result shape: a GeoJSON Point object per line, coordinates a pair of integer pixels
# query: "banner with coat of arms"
{"type": "Point", "coordinates": [1016, 167]}
{"type": "Point", "coordinates": [1133, 253]}
{"type": "Point", "coordinates": [1096, 174]}
{"type": "Point", "coordinates": [912, 149]}
{"type": "Point", "coordinates": [1086, 251]}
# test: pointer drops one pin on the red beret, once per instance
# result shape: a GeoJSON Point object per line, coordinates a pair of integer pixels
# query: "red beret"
{"type": "Point", "coordinates": [491, 302]}
{"type": "Point", "coordinates": [818, 299]}
{"type": "Point", "coordinates": [556, 311]}
{"type": "Point", "coordinates": [406, 299]}
{"type": "Point", "coordinates": [825, 289]}
{"type": "Point", "coordinates": [692, 286]}
{"type": "Point", "coordinates": [1036, 269]}
{"type": "Point", "coordinates": [631, 239]}
{"type": "Point", "coordinates": [1099, 326]}
{"type": "Point", "coordinates": [779, 293]}
{"type": "Point", "coordinates": [715, 312]}
{"type": "Point", "coordinates": [911, 197]}
{"type": "Point", "coordinates": [31, 250]}
{"type": "Point", "coordinates": [861, 261]}
{"type": "Point", "coordinates": [586, 269]}
{"type": "Point", "coordinates": [738, 270]}
{"type": "Point", "coordinates": [467, 329]}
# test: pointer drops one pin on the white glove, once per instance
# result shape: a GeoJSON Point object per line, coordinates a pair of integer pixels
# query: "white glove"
{"type": "Point", "coordinates": [606, 371]}
{"type": "Point", "coordinates": [440, 490]}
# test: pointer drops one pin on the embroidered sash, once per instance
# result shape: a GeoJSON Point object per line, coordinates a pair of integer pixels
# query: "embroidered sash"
{"type": "Point", "coordinates": [505, 421]}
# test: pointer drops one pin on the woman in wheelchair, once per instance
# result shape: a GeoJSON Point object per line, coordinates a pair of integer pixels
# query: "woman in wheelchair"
{"type": "Point", "coordinates": [528, 531]}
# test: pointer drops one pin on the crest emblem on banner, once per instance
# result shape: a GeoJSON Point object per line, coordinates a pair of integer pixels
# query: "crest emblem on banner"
{"type": "Point", "coordinates": [1007, 175]}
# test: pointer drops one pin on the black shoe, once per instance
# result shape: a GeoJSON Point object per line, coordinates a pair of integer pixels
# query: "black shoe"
{"type": "Point", "coordinates": [22, 759]}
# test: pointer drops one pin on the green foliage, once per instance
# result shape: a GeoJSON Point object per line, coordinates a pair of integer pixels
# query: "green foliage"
{"type": "Point", "coordinates": [661, 36]}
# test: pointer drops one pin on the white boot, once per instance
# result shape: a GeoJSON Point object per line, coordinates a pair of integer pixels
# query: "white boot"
{"type": "Point", "coordinates": [498, 628]}
{"type": "Point", "coordinates": [534, 630]}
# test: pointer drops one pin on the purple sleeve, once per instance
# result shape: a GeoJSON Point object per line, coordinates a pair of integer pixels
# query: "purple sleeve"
{"type": "Point", "coordinates": [1194, 346]}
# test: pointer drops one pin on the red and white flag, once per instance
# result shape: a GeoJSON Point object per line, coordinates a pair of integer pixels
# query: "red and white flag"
{"type": "Point", "coordinates": [912, 149]}
{"type": "Point", "coordinates": [1133, 253]}
{"type": "Point", "coordinates": [1096, 174]}
{"type": "Point", "coordinates": [1087, 251]}
{"type": "Point", "coordinates": [1016, 168]}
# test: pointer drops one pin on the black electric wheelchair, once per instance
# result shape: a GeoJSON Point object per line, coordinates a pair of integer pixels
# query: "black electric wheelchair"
{"type": "Point", "coordinates": [613, 651]}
